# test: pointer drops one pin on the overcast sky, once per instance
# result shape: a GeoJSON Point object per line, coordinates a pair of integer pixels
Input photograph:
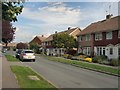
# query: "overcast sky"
{"type": "Point", "coordinates": [44, 18]}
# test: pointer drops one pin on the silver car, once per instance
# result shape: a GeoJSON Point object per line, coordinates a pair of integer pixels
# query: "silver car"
{"type": "Point", "coordinates": [27, 55]}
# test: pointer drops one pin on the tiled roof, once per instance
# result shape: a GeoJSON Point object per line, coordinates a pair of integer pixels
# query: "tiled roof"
{"type": "Point", "coordinates": [102, 26]}
{"type": "Point", "coordinates": [41, 38]}
{"type": "Point", "coordinates": [50, 38]}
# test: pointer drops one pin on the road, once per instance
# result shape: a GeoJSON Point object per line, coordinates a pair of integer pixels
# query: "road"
{"type": "Point", "coordinates": [67, 76]}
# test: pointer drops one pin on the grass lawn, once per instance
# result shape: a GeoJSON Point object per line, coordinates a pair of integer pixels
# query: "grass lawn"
{"type": "Point", "coordinates": [85, 65]}
{"type": "Point", "coordinates": [11, 58]}
{"type": "Point", "coordinates": [24, 81]}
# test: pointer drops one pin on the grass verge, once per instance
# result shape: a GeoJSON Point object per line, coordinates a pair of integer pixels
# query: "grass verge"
{"type": "Point", "coordinates": [24, 81]}
{"type": "Point", "coordinates": [11, 58]}
{"type": "Point", "coordinates": [95, 67]}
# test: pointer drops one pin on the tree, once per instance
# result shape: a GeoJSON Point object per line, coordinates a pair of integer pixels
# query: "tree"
{"type": "Point", "coordinates": [35, 47]}
{"type": "Point", "coordinates": [10, 10]}
{"type": "Point", "coordinates": [8, 32]}
{"type": "Point", "coordinates": [63, 40]}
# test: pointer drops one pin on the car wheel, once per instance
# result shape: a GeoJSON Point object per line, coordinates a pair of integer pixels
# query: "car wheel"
{"type": "Point", "coordinates": [33, 60]}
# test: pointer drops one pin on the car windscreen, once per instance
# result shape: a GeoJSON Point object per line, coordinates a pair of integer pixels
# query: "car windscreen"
{"type": "Point", "coordinates": [28, 51]}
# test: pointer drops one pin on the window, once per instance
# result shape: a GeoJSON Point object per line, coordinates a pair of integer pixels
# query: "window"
{"type": "Point", "coordinates": [86, 51]}
{"type": "Point", "coordinates": [111, 51]}
{"type": "Point", "coordinates": [87, 37]}
{"type": "Point", "coordinates": [108, 35]}
{"type": "Point", "coordinates": [119, 34]}
{"type": "Point", "coordinates": [100, 50]}
{"type": "Point", "coordinates": [80, 38]}
{"type": "Point", "coordinates": [98, 36]}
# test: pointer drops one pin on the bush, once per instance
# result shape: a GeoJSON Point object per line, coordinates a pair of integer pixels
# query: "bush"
{"type": "Point", "coordinates": [95, 60]}
{"type": "Point", "coordinates": [69, 57]}
{"type": "Point", "coordinates": [114, 62]}
{"type": "Point", "coordinates": [65, 55]}
{"type": "Point", "coordinates": [99, 59]}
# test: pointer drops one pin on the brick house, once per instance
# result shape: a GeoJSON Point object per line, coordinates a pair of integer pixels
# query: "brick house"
{"type": "Point", "coordinates": [47, 43]}
{"type": "Point", "coordinates": [38, 40]}
{"type": "Point", "coordinates": [101, 38]}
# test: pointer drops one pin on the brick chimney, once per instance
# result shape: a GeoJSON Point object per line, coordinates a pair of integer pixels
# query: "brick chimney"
{"type": "Point", "coordinates": [69, 28]}
{"type": "Point", "coordinates": [109, 16]}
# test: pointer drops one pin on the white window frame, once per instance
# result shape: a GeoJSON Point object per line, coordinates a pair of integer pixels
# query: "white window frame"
{"type": "Point", "coordinates": [87, 37]}
{"type": "Point", "coordinates": [111, 51]}
{"type": "Point", "coordinates": [118, 33]}
{"type": "Point", "coordinates": [98, 36]}
{"type": "Point", "coordinates": [109, 35]}
{"type": "Point", "coordinates": [80, 38]}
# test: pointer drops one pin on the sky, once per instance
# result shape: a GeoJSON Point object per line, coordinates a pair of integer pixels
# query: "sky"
{"type": "Point", "coordinates": [44, 18]}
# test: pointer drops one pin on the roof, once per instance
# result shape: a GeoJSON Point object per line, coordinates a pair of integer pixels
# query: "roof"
{"type": "Point", "coordinates": [69, 31]}
{"type": "Point", "coordinates": [40, 38]}
{"type": "Point", "coordinates": [102, 26]}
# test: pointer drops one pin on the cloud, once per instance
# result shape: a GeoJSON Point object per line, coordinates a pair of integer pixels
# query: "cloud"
{"type": "Point", "coordinates": [53, 14]}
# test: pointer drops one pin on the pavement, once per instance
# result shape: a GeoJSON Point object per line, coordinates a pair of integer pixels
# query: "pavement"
{"type": "Point", "coordinates": [8, 77]}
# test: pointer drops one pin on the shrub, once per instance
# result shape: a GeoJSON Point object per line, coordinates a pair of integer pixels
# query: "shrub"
{"type": "Point", "coordinates": [99, 59]}
{"type": "Point", "coordinates": [114, 62]}
{"type": "Point", "coordinates": [65, 55]}
{"type": "Point", "coordinates": [69, 57]}
{"type": "Point", "coordinates": [95, 60]}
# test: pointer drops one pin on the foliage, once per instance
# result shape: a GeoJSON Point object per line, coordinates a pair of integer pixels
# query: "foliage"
{"type": "Point", "coordinates": [11, 58]}
{"type": "Point", "coordinates": [10, 10]}
{"type": "Point", "coordinates": [8, 32]}
{"type": "Point", "coordinates": [99, 59]}
{"type": "Point", "coordinates": [69, 56]}
{"type": "Point", "coordinates": [34, 47]}
{"type": "Point", "coordinates": [114, 62]}
{"type": "Point", "coordinates": [24, 81]}
{"type": "Point", "coordinates": [21, 46]}
{"type": "Point", "coordinates": [63, 40]}
{"type": "Point", "coordinates": [88, 59]}
{"type": "Point", "coordinates": [65, 55]}
{"type": "Point", "coordinates": [85, 65]}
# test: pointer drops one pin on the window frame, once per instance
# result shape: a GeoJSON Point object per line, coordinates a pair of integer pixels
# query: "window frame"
{"type": "Point", "coordinates": [111, 51]}
{"type": "Point", "coordinates": [98, 36]}
{"type": "Point", "coordinates": [118, 33]}
{"type": "Point", "coordinates": [88, 37]}
{"type": "Point", "coordinates": [109, 37]}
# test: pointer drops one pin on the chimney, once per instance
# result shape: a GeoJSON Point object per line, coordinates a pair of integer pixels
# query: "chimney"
{"type": "Point", "coordinates": [55, 32]}
{"type": "Point", "coordinates": [109, 16]}
{"type": "Point", "coordinates": [69, 28]}
{"type": "Point", "coordinates": [42, 35]}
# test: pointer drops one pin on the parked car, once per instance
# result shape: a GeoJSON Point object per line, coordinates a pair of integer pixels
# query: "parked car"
{"type": "Point", "coordinates": [18, 52]}
{"type": "Point", "coordinates": [27, 55]}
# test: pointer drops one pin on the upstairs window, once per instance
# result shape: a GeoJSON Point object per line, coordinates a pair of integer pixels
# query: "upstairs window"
{"type": "Point", "coordinates": [87, 37]}
{"type": "Point", "coordinates": [108, 35]}
{"type": "Point", "coordinates": [118, 33]}
{"type": "Point", "coordinates": [98, 36]}
{"type": "Point", "coordinates": [80, 38]}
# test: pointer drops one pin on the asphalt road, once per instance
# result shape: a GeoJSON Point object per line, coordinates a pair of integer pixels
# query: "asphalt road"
{"type": "Point", "coordinates": [67, 76]}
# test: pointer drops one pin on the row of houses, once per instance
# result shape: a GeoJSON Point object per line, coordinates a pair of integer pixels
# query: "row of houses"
{"type": "Point", "coordinates": [98, 38]}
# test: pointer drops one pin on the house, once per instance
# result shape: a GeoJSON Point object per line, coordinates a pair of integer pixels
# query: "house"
{"type": "Point", "coordinates": [10, 46]}
{"type": "Point", "coordinates": [101, 38]}
{"type": "Point", "coordinates": [38, 40]}
{"type": "Point", "coordinates": [47, 43]}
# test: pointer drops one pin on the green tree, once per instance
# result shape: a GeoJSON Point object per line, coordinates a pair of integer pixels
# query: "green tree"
{"type": "Point", "coordinates": [34, 47]}
{"type": "Point", "coordinates": [63, 40]}
{"type": "Point", "coordinates": [10, 10]}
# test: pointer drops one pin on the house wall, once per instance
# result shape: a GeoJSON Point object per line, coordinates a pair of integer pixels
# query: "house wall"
{"type": "Point", "coordinates": [104, 42]}
{"type": "Point", "coordinates": [36, 40]}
